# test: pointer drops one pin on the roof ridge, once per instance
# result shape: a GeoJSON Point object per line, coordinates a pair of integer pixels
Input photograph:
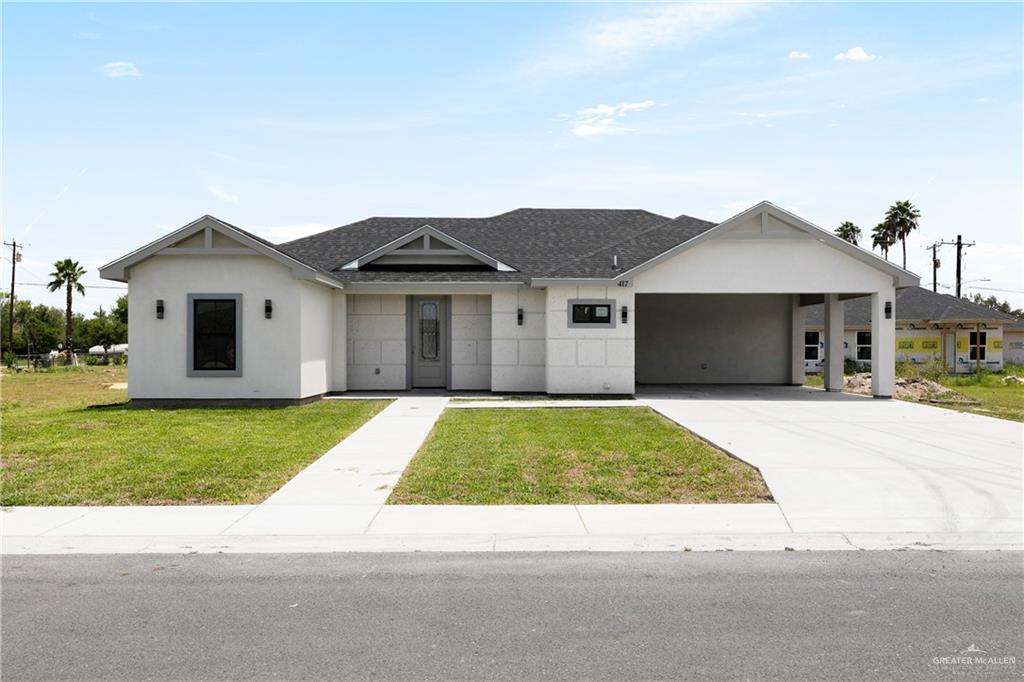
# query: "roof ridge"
{"type": "Point", "coordinates": [641, 233]}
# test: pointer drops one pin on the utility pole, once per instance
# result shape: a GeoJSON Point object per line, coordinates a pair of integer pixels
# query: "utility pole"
{"type": "Point", "coordinates": [15, 257]}
{"type": "Point", "coordinates": [960, 246]}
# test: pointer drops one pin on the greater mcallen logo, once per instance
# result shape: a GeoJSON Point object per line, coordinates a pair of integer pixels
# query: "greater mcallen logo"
{"type": "Point", "coordinates": [975, 656]}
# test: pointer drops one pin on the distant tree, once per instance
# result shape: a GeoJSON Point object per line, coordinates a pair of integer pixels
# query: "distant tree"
{"type": "Point", "coordinates": [848, 232]}
{"type": "Point", "coordinates": [901, 219]}
{"type": "Point", "coordinates": [995, 304]}
{"type": "Point", "coordinates": [37, 328]}
{"type": "Point", "coordinates": [67, 274]}
{"type": "Point", "coordinates": [882, 238]}
{"type": "Point", "coordinates": [120, 310]}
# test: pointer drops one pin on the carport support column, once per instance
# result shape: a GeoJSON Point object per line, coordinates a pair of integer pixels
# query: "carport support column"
{"type": "Point", "coordinates": [883, 343]}
{"type": "Point", "coordinates": [834, 332]}
{"type": "Point", "coordinates": [796, 335]}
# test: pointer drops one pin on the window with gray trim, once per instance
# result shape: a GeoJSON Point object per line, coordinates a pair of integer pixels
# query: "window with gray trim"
{"type": "Point", "coordinates": [214, 334]}
{"type": "Point", "coordinates": [591, 312]}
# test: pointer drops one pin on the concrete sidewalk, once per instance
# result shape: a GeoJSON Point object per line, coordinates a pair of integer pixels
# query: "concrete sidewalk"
{"type": "Point", "coordinates": [846, 472]}
{"type": "Point", "coordinates": [367, 527]}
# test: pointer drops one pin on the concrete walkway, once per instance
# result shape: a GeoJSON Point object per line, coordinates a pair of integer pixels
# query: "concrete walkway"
{"type": "Point", "coordinates": [363, 468]}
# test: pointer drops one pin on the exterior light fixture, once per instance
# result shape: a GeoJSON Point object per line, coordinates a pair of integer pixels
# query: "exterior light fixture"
{"type": "Point", "coordinates": [888, 310]}
{"type": "Point", "coordinates": [519, 317]}
{"type": "Point", "coordinates": [159, 308]}
{"type": "Point", "coordinates": [268, 309]}
{"type": "Point", "coordinates": [625, 314]}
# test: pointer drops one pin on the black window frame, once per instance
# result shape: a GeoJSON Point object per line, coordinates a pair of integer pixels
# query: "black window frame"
{"type": "Point", "coordinates": [192, 355]}
{"type": "Point", "coordinates": [974, 348]}
{"type": "Point", "coordinates": [862, 350]}
{"type": "Point", "coordinates": [582, 312]}
{"type": "Point", "coordinates": [816, 345]}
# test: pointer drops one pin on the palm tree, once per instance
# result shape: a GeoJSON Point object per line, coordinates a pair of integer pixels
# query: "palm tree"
{"type": "Point", "coordinates": [882, 238]}
{"type": "Point", "coordinates": [67, 273]}
{"type": "Point", "coordinates": [902, 220]}
{"type": "Point", "coordinates": [848, 232]}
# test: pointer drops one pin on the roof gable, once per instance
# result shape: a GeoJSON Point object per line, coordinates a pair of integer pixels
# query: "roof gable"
{"type": "Point", "coordinates": [209, 236]}
{"type": "Point", "coordinates": [426, 245]}
{"type": "Point", "coordinates": [765, 220]}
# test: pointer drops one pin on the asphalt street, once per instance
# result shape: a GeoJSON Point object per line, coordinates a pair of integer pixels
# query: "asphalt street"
{"type": "Point", "coordinates": [788, 615]}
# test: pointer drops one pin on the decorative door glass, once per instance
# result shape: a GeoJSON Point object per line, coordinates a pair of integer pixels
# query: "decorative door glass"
{"type": "Point", "coordinates": [428, 330]}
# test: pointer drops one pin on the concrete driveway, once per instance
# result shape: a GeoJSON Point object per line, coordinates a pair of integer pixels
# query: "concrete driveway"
{"type": "Point", "coordinates": [847, 463]}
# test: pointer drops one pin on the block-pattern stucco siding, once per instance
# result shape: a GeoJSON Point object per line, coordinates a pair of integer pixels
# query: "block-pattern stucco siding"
{"type": "Point", "coordinates": [713, 338]}
{"type": "Point", "coordinates": [471, 342]}
{"type": "Point", "coordinates": [518, 352]}
{"type": "Point", "coordinates": [271, 350]}
{"type": "Point", "coordinates": [589, 359]}
{"type": "Point", "coordinates": [376, 346]}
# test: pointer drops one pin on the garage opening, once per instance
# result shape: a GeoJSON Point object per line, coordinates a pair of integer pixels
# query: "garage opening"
{"type": "Point", "coordinates": [713, 338]}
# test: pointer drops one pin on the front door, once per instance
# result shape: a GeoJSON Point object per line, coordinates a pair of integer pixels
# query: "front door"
{"type": "Point", "coordinates": [428, 347]}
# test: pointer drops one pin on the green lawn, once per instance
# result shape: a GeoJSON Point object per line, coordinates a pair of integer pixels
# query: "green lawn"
{"type": "Point", "coordinates": [570, 456]}
{"type": "Point", "coordinates": [56, 450]}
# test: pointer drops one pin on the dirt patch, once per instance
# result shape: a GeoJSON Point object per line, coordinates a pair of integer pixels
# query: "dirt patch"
{"type": "Point", "coordinates": [910, 388]}
{"type": "Point", "coordinates": [120, 386]}
{"type": "Point", "coordinates": [1013, 380]}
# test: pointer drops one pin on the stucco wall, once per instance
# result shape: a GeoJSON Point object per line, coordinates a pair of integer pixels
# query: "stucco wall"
{"type": "Point", "coordinates": [1013, 346]}
{"type": "Point", "coordinates": [518, 352]}
{"type": "Point", "coordinates": [748, 266]}
{"type": "Point", "coordinates": [471, 342]}
{"type": "Point", "coordinates": [339, 341]}
{"type": "Point", "coordinates": [316, 323]}
{"type": "Point", "coordinates": [270, 349]}
{"type": "Point", "coordinates": [589, 360]}
{"type": "Point", "coordinates": [713, 338]}
{"type": "Point", "coordinates": [376, 343]}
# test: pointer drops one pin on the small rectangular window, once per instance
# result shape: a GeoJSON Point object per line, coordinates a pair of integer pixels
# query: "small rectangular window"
{"type": "Point", "coordinates": [863, 346]}
{"type": "Point", "coordinates": [592, 313]}
{"type": "Point", "coordinates": [812, 345]}
{"type": "Point", "coordinates": [978, 348]}
{"type": "Point", "coordinates": [214, 327]}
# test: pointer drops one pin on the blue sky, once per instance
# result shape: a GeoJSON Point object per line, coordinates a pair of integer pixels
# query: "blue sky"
{"type": "Point", "coordinates": [122, 122]}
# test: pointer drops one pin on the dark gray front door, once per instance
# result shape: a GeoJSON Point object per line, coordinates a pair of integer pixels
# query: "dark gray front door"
{"type": "Point", "coordinates": [429, 347]}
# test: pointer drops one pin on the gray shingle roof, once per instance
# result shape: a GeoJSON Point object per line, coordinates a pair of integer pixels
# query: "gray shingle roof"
{"type": "Point", "coordinates": [536, 242]}
{"type": "Point", "coordinates": [912, 303]}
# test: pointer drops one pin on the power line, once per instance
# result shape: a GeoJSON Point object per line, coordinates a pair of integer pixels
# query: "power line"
{"type": "Point", "coordinates": [1008, 291]}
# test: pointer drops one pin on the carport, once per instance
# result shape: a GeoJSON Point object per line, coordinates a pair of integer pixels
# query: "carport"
{"type": "Point", "coordinates": [727, 307]}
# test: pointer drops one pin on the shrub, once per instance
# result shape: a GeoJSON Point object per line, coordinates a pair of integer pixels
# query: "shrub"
{"type": "Point", "coordinates": [852, 367]}
{"type": "Point", "coordinates": [9, 358]}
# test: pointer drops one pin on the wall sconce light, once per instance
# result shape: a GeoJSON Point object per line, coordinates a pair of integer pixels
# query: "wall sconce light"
{"type": "Point", "coordinates": [268, 309]}
{"type": "Point", "coordinates": [159, 308]}
{"type": "Point", "coordinates": [625, 314]}
{"type": "Point", "coordinates": [519, 317]}
{"type": "Point", "coordinates": [888, 310]}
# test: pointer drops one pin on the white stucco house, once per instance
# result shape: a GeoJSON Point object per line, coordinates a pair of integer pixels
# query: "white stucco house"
{"type": "Point", "coordinates": [539, 300]}
{"type": "Point", "coordinates": [930, 327]}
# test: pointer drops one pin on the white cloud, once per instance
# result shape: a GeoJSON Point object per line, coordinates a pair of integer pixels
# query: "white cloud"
{"type": "Point", "coordinates": [285, 233]}
{"type": "Point", "coordinates": [795, 54]}
{"type": "Point", "coordinates": [855, 54]}
{"type": "Point", "coordinates": [606, 118]}
{"type": "Point", "coordinates": [610, 42]}
{"type": "Point", "coordinates": [121, 70]}
{"type": "Point", "coordinates": [222, 194]}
